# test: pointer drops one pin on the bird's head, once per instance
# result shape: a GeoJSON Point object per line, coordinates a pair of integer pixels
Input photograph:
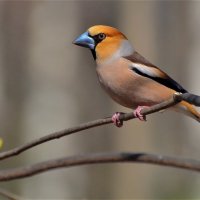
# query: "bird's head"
{"type": "Point", "coordinates": [105, 42]}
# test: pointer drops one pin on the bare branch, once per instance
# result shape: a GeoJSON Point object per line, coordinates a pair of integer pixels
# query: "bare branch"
{"type": "Point", "coordinates": [23, 172]}
{"type": "Point", "coordinates": [191, 98]}
{"type": "Point", "coordinates": [11, 174]}
{"type": "Point", "coordinates": [99, 122]}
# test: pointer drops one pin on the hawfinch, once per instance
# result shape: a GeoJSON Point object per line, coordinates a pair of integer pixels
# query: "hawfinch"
{"type": "Point", "coordinates": [128, 77]}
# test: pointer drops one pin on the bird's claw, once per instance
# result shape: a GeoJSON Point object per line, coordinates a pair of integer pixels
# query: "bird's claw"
{"type": "Point", "coordinates": [115, 119]}
{"type": "Point", "coordinates": [137, 113]}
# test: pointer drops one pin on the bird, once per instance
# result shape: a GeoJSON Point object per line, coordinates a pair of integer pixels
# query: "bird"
{"type": "Point", "coordinates": [129, 78]}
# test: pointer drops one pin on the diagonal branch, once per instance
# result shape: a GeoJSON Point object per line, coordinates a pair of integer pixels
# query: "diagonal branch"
{"type": "Point", "coordinates": [22, 172]}
{"type": "Point", "coordinates": [99, 122]}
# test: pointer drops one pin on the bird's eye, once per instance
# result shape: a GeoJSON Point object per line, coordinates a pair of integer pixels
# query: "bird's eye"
{"type": "Point", "coordinates": [101, 36]}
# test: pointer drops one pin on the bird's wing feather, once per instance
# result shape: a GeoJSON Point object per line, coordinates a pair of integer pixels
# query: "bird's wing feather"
{"type": "Point", "coordinates": [144, 68]}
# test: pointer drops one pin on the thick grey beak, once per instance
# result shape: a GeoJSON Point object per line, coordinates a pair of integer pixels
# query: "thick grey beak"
{"type": "Point", "coordinates": [85, 40]}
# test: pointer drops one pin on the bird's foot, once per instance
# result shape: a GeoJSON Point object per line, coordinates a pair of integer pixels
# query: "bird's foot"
{"type": "Point", "coordinates": [115, 119]}
{"type": "Point", "coordinates": [137, 113]}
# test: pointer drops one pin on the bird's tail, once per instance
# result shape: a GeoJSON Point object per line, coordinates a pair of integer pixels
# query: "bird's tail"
{"type": "Point", "coordinates": [187, 109]}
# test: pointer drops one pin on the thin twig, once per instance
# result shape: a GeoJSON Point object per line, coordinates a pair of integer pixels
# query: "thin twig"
{"type": "Point", "coordinates": [99, 122]}
{"type": "Point", "coordinates": [22, 172]}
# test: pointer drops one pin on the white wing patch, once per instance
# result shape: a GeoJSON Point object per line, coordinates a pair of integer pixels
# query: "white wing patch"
{"type": "Point", "coordinates": [157, 75]}
{"type": "Point", "coordinates": [150, 71]}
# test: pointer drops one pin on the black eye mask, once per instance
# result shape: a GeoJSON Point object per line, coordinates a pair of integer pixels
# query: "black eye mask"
{"type": "Point", "coordinates": [97, 38]}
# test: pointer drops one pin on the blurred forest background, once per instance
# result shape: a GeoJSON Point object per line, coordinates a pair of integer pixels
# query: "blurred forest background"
{"type": "Point", "coordinates": [48, 84]}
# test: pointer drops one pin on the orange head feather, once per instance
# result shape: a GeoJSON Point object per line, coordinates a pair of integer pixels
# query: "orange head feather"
{"type": "Point", "coordinates": [108, 30]}
{"type": "Point", "coordinates": [107, 47]}
{"type": "Point", "coordinates": [105, 42]}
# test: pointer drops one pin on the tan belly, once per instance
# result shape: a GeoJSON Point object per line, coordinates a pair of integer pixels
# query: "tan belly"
{"type": "Point", "coordinates": [129, 89]}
